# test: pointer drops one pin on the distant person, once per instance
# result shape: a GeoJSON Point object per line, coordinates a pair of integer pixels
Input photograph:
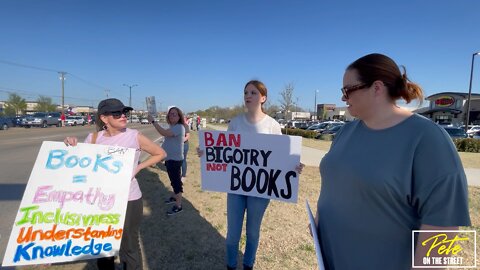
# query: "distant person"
{"type": "Point", "coordinates": [112, 130]}
{"type": "Point", "coordinates": [173, 145]}
{"type": "Point", "coordinates": [253, 121]}
{"type": "Point", "coordinates": [185, 150]}
{"type": "Point", "coordinates": [386, 174]}
{"type": "Point", "coordinates": [198, 122]}
{"type": "Point", "coordinates": [192, 123]}
{"type": "Point", "coordinates": [62, 119]}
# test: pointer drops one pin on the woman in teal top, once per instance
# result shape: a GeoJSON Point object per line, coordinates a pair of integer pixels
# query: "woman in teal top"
{"type": "Point", "coordinates": [386, 174]}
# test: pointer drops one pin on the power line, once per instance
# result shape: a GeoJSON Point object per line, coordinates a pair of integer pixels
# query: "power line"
{"type": "Point", "coordinates": [67, 73]}
{"type": "Point", "coordinates": [27, 66]}
{"type": "Point", "coordinates": [24, 92]}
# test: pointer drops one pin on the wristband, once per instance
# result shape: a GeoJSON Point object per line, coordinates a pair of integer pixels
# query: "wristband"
{"type": "Point", "coordinates": [153, 121]}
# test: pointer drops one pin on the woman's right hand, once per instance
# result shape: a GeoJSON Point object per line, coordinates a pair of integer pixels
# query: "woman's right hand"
{"type": "Point", "coordinates": [70, 141]}
{"type": "Point", "coordinates": [199, 152]}
{"type": "Point", "coordinates": [150, 118]}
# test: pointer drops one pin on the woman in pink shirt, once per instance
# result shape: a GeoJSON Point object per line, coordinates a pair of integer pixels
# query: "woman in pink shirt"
{"type": "Point", "coordinates": [112, 129]}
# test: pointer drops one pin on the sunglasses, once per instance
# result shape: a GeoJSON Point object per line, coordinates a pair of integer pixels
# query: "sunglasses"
{"type": "Point", "coordinates": [118, 114]}
{"type": "Point", "coordinates": [349, 89]}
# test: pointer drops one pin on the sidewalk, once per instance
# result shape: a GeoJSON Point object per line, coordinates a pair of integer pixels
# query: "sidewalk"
{"type": "Point", "coordinates": [311, 157]}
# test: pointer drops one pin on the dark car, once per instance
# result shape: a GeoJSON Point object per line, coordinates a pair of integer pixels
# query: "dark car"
{"type": "Point", "coordinates": [5, 123]}
{"type": "Point", "coordinates": [456, 132]}
{"type": "Point", "coordinates": [19, 121]}
{"type": "Point", "coordinates": [332, 130]}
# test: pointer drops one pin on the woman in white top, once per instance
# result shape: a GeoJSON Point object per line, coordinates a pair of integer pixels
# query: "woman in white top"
{"type": "Point", "coordinates": [253, 121]}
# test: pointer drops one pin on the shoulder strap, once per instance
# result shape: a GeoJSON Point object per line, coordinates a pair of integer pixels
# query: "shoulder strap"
{"type": "Point", "coordinates": [94, 137]}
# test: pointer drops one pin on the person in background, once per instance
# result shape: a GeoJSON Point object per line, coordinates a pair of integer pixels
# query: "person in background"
{"type": "Point", "coordinates": [173, 145]}
{"type": "Point", "coordinates": [63, 118]}
{"type": "Point", "coordinates": [192, 123]}
{"type": "Point", "coordinates": [386, 174]}
{"type": "Point", "coordinates": [253, 121]}
{"type": "Point", "coordinates": [185, 150]}
{"type": "Point", "coordinates": [112, 130]}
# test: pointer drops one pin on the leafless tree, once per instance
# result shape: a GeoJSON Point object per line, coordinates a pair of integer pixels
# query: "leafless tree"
{"type": "Point", "coordinates": [286, 101]}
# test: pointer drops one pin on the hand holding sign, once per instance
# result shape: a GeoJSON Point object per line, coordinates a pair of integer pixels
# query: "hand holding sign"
{"type": "Point", "coordinates": [260, 165]}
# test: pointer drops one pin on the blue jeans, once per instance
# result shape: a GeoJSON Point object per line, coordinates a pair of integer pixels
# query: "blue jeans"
{"type": "Point", "coordinates": [184, 164]}
{"type": "Point", "coordinates": [236, 206]}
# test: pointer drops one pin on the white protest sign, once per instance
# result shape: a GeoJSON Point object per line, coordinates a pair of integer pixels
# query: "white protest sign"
{"type": "Point", "coordinates": [313, 229]}
{"type": "Point", "coordinates": [74, 205]}
{"type": "Point", "coordinates": [151, 106]}
{"type": "Point", "coordinates": [260, 165]}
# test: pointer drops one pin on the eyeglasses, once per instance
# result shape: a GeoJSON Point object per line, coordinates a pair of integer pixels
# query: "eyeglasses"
{"type": "Point", "coordinates": [349, 89]}
{"type": "Point", "coordinates": [118, 114]}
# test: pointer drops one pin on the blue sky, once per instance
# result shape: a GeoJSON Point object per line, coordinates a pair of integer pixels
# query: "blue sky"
{"type": "Point", "coordinates": [196, 54]}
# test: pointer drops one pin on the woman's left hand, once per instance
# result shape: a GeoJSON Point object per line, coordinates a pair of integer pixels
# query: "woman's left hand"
{"type": "Point", "coordinates": [299, 168]}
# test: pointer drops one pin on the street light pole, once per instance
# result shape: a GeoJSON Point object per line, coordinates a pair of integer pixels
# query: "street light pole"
{"type": "Point", "coordinates": [315, 108]}
{"type": "Point", "coordinates": [467, 120]}
{"type": "Point", "coordinates": [130, 100]}
{"type": "Point", "coordinates": [62, 78]}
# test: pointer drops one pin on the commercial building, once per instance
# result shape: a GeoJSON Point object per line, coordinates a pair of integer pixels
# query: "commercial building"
{"type": "Point", "coordinates": [450, 108]}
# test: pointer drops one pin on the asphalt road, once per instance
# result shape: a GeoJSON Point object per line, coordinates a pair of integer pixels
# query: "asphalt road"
{"type": "Point", "coordinates": [18, 151]}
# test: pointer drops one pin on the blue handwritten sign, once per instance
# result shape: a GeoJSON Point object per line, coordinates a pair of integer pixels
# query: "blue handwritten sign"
{"type": "Point", "coordinates": [73, 206]}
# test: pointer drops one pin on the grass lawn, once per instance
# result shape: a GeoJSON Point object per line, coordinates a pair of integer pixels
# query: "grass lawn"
{"type": "Point", "coordinates": [195, 238]}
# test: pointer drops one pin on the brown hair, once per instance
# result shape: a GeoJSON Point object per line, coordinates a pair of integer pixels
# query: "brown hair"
{"type": "Point", "coordinates": [98, 122]}
{"type": "Point", "coordinates": [375, 66]}
{"type": "Point", "coordinates": [261, 88]}
{"type": "Point", "coordinates": [180, 115]}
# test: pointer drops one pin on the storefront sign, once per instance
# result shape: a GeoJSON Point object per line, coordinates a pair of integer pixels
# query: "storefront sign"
{"type": "Point", "coordinates": [444, 101]}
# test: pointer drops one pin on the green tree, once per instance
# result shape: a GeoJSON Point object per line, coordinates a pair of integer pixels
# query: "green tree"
{"type": "Point", "coordinates": [15, 105]}
{"type": "Point", "coordinates": [44, 104]}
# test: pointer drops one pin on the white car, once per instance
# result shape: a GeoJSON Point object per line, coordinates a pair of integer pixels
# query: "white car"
{"type": "Point", "coordinates": [74, 121]}
{"type": "Point", "coordinates": [144, 121]}
{"type": "Point", "coordinates": [472, 130]}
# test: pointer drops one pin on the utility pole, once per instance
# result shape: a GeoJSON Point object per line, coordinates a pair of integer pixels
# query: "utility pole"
{"type": "Point", "coordinates": [467, 120]}
{"type": "Point", "coordinates": [106, 92]}
{"type": "Point", "coordinates": [62, 78]}
{"type": "Point", "coordinates": [130, 100]}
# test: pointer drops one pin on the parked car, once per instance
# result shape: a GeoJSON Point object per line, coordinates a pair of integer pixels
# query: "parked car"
{"type": "Point", "coordinates": [476, 135]}
{"type": "Point", "coordinates": [43, 119]}
{"type": "Point", "coordinates": [472, 130]}
{"type": "Point", "coordinates": [144, 121]}
{"type": "Point", "coordinates": [5, 123]}
{"type": "Point", "coordinates": [332, 129]}
{"type": "Point", "coordinates": [456, 132]}
{"type": "Point", "coordinates": [325, 125]}
{"type": "Point", "coordinates": [315, 126]}
{"type": "Point", "coordinates": [19, 121]}
{"type": "Point", "coordinates": [75, 120]}
{"type": "Point", "coordinates": [296, 124]}
{"type": "Point", "coordinates": [133, 119]}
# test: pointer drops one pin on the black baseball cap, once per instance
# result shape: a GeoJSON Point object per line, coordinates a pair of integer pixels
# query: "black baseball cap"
{"type": "Point", "coordinates": [112, 105]}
